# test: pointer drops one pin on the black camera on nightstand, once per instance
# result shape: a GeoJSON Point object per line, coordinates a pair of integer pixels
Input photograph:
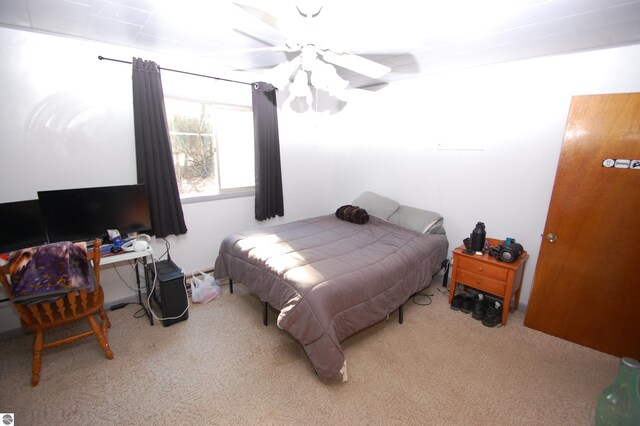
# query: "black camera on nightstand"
{"type": "Point", "coordinates": [507, 252]}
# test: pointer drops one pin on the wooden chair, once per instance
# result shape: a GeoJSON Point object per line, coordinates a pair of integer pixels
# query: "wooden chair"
{"type": "Point", "coordinates": [74, 306]}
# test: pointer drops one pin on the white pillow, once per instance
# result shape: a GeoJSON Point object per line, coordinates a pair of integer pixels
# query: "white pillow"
{"type": "Point", "coordinates": [422, 221]}
{"type": "Point", "coordinates": [376, 205]}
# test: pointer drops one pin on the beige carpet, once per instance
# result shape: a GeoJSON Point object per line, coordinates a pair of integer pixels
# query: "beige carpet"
{"type": "Point", "coordinates": [222, 366]}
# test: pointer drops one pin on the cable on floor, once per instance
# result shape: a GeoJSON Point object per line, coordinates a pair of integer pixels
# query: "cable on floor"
{"type": "Point", "coordinates": [422, 294]}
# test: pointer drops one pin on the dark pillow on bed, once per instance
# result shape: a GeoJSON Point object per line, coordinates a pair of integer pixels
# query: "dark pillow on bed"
{"type": "Point", "coordinates": [352, 214]}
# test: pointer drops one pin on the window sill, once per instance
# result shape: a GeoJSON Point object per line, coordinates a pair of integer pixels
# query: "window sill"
{"type": "Point", "coordinates": [213, 197]}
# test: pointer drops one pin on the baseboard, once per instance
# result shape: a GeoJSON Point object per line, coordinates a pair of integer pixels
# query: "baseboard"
{"type": "Point", "coordinates": [126, 300]}
{"type": "Point", "coordinates": [12, 333]}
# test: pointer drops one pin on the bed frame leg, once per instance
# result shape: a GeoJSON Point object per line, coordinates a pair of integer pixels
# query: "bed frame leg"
{"type": "Point", "coordinates": [401, 314]}
{"type": "Point", "coordinates": [230, 286]}
{"type": "Point", "coordinates": [265, 313]}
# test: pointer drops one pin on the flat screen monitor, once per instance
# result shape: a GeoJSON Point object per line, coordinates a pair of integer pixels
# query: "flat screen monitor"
{"type": "Point", "coordinates": [21, 226]}
{"type": "Point", "coordinates": [87, 213]}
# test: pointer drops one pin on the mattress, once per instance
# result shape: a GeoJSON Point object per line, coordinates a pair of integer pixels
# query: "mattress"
{"type": "Point", "coordinates": [330, 278]}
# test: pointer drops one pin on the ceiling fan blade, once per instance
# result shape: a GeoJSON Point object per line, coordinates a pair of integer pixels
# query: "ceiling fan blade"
{"type": "Point", "coordinates": [355, 63]}
{"type": "Point", "coordinates": [235, 52]}
{"type": "Point", "coordinates": [265, 17]}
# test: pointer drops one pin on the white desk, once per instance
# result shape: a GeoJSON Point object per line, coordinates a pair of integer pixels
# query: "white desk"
{"type": "Point", "coordinates": [125, 255]}
{"type": "Point", "coordinates": [133, 255]}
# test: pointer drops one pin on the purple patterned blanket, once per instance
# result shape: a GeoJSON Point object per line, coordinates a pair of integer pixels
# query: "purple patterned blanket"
{"type": "Point", "coordinates": [49, 271]}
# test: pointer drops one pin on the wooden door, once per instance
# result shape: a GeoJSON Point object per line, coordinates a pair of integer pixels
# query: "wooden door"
{"type": "Point", "coordinates": [586, 287]}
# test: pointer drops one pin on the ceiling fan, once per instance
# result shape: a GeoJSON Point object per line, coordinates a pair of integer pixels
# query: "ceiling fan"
{"type": "Point", "coordinates": [315, 55]}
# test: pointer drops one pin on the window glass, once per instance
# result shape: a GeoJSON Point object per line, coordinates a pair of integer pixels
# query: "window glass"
{"type": "Point", "coordinates": [212, 146]}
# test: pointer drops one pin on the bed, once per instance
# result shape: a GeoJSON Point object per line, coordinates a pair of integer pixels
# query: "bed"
{"type": "Point", "coordinates": [330, 278]}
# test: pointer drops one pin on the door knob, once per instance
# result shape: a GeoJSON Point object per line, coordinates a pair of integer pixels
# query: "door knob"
{"type": "Point", "coordinates": [551, 237]}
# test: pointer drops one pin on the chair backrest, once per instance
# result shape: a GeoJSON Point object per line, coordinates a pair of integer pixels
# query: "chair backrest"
{"type": "Point", "coordinates": [74, 304]}
{"type": "Point", "coordinates": [94, 257]}
{"type": "Point", "coordinates": [4, 271]}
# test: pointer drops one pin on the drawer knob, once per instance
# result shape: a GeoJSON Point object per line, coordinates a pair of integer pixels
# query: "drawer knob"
{"type": "Point", "coordinates": [480, 268]}
{"type": "Point", "coordinates": [551, 237]}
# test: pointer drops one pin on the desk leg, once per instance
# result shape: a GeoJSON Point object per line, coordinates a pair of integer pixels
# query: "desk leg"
{"type": "Point", "coordinates": [146, 309]}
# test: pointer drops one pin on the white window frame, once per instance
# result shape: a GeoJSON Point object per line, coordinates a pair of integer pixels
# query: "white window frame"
{"type": "Point", "coordinates": [236, 192]}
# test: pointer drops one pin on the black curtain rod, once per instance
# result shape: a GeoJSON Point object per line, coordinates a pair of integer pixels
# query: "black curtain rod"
{"type": "Point", "coordinates": [102, 58]}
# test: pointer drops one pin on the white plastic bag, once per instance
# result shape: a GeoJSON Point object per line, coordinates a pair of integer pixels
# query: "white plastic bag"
{"type": "Point", "coordinates": [204, 288]}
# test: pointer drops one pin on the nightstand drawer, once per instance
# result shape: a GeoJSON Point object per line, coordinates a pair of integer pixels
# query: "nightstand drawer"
{"type": "Point", "coordinates": [481, 282]}
{"type": "Point", "coordinates": [482, 268]}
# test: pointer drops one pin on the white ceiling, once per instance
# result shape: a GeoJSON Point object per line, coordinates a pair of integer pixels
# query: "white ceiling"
{"type": "Point", "coordinates": [411, 36]}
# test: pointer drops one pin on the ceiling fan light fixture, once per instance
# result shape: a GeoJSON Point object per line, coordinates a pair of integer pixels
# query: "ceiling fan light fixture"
{"type": "Point", "coordinates": [309, 58]}
{"type": "Point", "coordinates": [280, 75]}
{"type": "Point", "coordinates": [325, 77]}
{"type": "Point", "coordinates": [316, 64]}
{"type": "Point", "coordinates": [300, 86]}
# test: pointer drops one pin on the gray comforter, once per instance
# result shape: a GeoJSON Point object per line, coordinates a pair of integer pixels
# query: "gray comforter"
{"type": "Point", "coordinates": [331, 278]}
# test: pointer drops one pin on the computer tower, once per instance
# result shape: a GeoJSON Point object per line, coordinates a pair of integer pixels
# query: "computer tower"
{"type": "Point", "coordinates": [169, 292]}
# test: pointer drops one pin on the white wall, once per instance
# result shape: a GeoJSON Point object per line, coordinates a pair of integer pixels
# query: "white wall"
{"type": "Point", "coordinates": [476, 145]}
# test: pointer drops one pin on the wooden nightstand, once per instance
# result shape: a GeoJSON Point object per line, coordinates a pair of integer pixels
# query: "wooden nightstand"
{"type": "Point", "coordinates": [489, 275]}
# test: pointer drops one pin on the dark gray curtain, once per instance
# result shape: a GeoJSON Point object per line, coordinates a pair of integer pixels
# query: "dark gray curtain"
{"type": "Point", "coordinates": [154, 158]}
{"type": "Point", "coordinates": [269, 202]}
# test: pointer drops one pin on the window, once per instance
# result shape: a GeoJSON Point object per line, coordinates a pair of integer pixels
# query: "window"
{"type": "Point", "coordinates": [212, 147]}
